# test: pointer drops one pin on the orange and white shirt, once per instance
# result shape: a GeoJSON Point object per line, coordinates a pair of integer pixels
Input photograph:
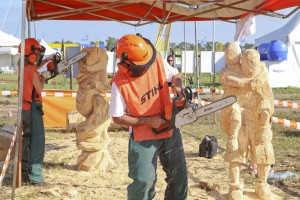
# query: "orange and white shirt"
{"type": "Point", "coordinates": [29, 71]}
{"type": "Point", "coordinates": [118, 106]}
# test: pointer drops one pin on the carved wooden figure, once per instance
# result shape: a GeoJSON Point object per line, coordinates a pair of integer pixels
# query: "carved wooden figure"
{"type": "Point", "coordinates": [92, 135]}
{"type": "Point", "coordinates": [248, 120]}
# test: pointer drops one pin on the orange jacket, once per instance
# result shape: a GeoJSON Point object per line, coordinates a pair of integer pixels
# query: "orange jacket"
{"type": "Point", "coordinates": [145, 96]}
{"type": "Point", "coordinates": [29, 71]}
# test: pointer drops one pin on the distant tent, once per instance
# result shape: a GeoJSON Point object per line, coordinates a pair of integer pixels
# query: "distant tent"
{"type": "Point", "coordinates": [49, 50]}
{"type": "Point", "coordinates": [9, 55]}
{"type": "Point", "coordinates": [285, 73]}
{"type": "Point", "coordinates": [8, 40]}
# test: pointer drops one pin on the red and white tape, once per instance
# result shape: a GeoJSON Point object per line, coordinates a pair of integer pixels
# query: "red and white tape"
{"type": "Point", "coordinates": [72, 93]}
{"type": "Point", "coordinates": [8, 93]}
{"type": "Point", "coordinates": [287, 123]}
{"type": "Point", "coordinates": [287, 104]}
{"type": "Point", "coordinates": [5, 165]}
{"type": "Point", "coordinates": [208, 90]}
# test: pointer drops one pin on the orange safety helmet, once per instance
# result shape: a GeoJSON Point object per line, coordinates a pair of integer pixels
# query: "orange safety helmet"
{"type": "Point", "coordinates": [34, 52]}
{"type": "Point", "coordinates": [136, 54]}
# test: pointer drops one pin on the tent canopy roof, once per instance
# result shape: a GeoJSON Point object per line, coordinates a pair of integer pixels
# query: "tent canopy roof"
{"type": "Point", "coordinates": [148, 11]}
{"type": "Point", "coordinates": [288, 33]}
{"type": "Point", "coordinates": [7, 40]}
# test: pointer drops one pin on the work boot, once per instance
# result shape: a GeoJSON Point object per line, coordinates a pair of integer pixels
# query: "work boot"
{"type": "Point", "coordinates": [25, 178]}
{"type": "Point", "coordinates": [235, 191]}
{"type": "Point", "coordinates": [263, 191]}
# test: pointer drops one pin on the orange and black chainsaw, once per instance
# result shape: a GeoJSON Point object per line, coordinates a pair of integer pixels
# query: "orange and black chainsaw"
{"type": "Point", "coordinates": [59, 66]}
{"type": "Point", "coordinates": [183, 112]}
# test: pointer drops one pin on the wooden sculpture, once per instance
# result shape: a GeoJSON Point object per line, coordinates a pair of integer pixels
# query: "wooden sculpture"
{"type": "Point", "coordinates": [248, 121]}
{"type": "Point", "coordinates": [92, 135]}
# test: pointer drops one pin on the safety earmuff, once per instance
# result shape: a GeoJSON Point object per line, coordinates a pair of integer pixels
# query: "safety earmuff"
{"type": "Point", "coordinates": [32, 58]}
{"type": "Point", "coordinates": [122, 68]}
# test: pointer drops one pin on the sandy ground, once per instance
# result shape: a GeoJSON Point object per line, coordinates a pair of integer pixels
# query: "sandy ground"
{"type": "Point", "coordinates": [207, 177]}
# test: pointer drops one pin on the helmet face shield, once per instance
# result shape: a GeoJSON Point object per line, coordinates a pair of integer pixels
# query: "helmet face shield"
{"type": "Point", "coordinates": [133, 69]}
{"type": "Point", "coordinates": [40, 54]}
{"type": "Point", "coordinates": [34, 52]}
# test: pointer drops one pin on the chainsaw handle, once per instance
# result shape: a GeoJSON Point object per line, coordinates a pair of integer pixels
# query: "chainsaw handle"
{"type": "Point", "coordinates": [170, 122]}
{"type": "Point", "coordinates": [177, 105]}
{"type": "Point", "coordinates": [165, 127]}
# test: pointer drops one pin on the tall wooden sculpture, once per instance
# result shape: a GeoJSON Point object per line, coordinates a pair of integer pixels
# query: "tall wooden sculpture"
{"type": "Point", "coordinates": [91, 135]}
{"type": "Point", "coordinates": [248, 121]}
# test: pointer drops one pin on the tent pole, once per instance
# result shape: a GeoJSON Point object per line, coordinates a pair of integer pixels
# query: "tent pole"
{"type": "Point", "coordinates": [20, 97]}
{"type": "Point", "coordinates": [184, 54]}
{"type": "Point", "coordinates": [196, 58]}
{"type": "Point", "coordinates": [29, 34]}
{"type": "Point", "coordinates": [214, 54]}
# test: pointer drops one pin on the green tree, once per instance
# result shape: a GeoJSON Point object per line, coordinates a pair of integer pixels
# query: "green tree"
{"type": "Point", "coordinates": [247, 46]}
{"type": "Point", "coordinates": [208, 46]}
{"type": "Point", "coordinates": [219, 46]}
{"type": "Point", "coordinates": [111, 43]}
{"type": "Point", "coordinates": [172, 47]}
{"type": "Point", "coordinates": [189, 46]}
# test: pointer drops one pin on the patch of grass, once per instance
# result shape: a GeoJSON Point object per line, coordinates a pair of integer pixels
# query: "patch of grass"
{"type": "Point", "coordinates": [287, 90]}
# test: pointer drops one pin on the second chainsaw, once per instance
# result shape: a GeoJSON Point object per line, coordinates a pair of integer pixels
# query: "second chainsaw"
{"type": "Point", "coordinates": [59, 66]}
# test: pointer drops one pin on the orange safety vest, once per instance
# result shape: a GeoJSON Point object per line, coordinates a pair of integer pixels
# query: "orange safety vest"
{"type": "Point", "coordinates": [145, 96]}
{"type": "Point", "coordinates": [29, 71]}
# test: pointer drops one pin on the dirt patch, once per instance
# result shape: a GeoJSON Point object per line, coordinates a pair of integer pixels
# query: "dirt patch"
{"type": "Point", "coordinates": [207, 177]}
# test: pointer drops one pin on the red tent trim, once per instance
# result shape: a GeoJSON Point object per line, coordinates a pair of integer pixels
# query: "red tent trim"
{"type": "Point", "coordinates": [137, 13]}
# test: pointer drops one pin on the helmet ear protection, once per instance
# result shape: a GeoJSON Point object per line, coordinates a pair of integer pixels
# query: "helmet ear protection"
{"type": "Point", "coordinates": [32, 57]}
{"type": "Point", "coordinates": [34, 52]}
{"type": "Point", "coordinates": [120, 65]}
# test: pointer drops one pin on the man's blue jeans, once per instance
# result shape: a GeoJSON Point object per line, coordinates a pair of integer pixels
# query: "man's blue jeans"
{"type": "Point", "coordinates": [142, 163]}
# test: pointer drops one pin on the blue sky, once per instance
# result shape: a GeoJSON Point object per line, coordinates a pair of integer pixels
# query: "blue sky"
{"type": "Point", "coordinates": [53, 30]}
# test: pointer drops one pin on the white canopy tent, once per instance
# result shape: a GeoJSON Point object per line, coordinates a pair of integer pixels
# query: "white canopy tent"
{"type": "Point", "coordinates": [9, 55]}
{"type": "Point", "coordinates": [49, 50]}
{"type": "Point", "coordinates": [285, 73]}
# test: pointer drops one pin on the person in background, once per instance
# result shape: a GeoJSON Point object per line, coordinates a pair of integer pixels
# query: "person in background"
{"type": "Point", "coordinates": [170, 60]}
{"type": "Point", "coordinates": [33, 140]}
{"type": "Point", "coordinates": [140, 95]}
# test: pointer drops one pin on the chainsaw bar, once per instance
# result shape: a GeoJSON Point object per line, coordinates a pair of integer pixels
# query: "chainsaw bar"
{"type": "Point", "coordinates": [63, 65]}
{"type": "Point", "coordinates": [189, 115]}
{"type": "Point", "coordinates": [77, 57]}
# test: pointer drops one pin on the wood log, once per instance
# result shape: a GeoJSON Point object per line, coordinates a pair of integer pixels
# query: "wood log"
{"type": "Point", "coordinates": [6, 136]}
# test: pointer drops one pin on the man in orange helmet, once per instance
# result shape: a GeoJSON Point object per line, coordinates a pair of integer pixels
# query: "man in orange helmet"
{"type": "Point", "coordinates": [33, 141]}
{"type": "Point", "coordinates": [140, 94]}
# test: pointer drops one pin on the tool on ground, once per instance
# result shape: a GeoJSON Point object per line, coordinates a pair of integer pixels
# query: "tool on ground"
{"type": "Point", "coordinates": [185, 111]}
{"type": "Point", "coordinates": [58, 66]}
